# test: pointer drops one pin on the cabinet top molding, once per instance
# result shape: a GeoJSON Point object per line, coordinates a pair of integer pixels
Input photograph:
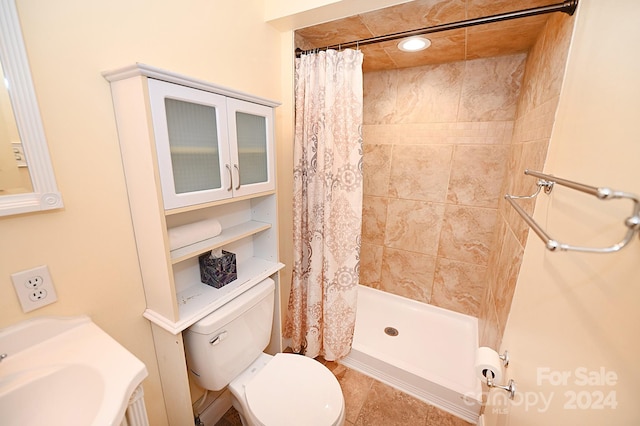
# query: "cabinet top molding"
{"type": "Point", "coordinates": [149, 71]}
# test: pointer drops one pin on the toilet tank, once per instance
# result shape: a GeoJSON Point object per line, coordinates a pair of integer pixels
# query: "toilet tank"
{"type": "Point", "coordinates": [224, 343]}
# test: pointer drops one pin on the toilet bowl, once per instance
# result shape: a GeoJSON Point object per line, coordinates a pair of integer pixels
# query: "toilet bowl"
{"type": "Point", "coordinates": [225, 348]}
{"type": "Point", "coordinates": [288, 389]}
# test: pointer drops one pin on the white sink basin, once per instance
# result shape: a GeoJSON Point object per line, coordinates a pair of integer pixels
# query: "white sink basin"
{"type": "Point", "coordinates": [64, 372]}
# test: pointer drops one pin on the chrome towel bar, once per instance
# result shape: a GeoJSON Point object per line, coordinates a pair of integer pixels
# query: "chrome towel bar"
{"type": "Point", "coordinates": [603, 193]}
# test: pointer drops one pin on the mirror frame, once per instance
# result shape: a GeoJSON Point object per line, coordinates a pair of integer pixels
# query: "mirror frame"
{"type": "Point", "coordinates": [13, 56]}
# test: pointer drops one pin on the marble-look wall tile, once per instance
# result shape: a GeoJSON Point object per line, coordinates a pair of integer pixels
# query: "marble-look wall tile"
{"type": "Point", "coordinates": [379, 98]}
{"type": "Point", "coordinates": [532, 157]}
{"type": "Point", "coordinates": [456, 133]}
{"type": "Point", "coordinates": [379, 134]}
{"type": "Point", "coordinates": [467, 234]}
{"type": "Point", "coordinates": [545, 70]}
{"type": "Point", "coordinates": [446, 46]}
{"type": "Point", "coordinates": [429, 94]}
{"type": "Point", "coordinates": [491, 87]}
{"type": "Point", "coordinates": [376, 58]}
{"type": "Point", "coordinates": [513, 172]}
{"type": "Point", "coordinates": [477, 174]}
{"type": "Point", "coordinates": [485, 41]}
{"type": "Point", "coordinates": [535, 118]}
{"type": "Point", "coordinates": [420, 172]}
{"type": "Point", "coordinates": [414, 226]}
{"type": "Point", "coordinates": [408, 274]}
{"type": "Point", "coordinates": [488, 328]}
{"type": "Point", "coordinates": [370, 264]}
{"type": "Point", "coordinates": [537, 123]}
{"type": "Point", "coordinates": [496, 249]}
{"type": "Point", "coordinates": [329, 33]}
{"type": "Point", "coordinates": [516, 224]}
{"type": "Point", "coordinates": [477, 9]}
{"type": "Point", "coordinates": [430, 147]}
{"type": "Point", "coordinates": [458, 286]}
{"type": "Point", "coordinates": [419, 13]}
{"type": "Point", "coordinates": [553, 58]}
{"type": "Point", "coordinates": [530, 136]}
{"type": "Point", "coordinates": [529, 151]}
{"type": "Point", "coordinates": [508, 267]}
{"type": "Point", "coordinates": [376, 169]}
{"type": "Point", "coordinates": [374, 219]}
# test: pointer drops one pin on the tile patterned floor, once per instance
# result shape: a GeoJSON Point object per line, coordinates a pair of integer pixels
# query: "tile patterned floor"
{"type": "Point", "coordinates": [372, 403]}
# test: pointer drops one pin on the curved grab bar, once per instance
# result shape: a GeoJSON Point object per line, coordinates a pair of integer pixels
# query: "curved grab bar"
{"type": "Point", "coordinates": [603, 193]}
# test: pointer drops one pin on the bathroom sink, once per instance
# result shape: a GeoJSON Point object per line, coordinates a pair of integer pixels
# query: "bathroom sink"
{"type": "Point", "coordinates": [64, 371]}
{"type": "Point", "coordinates": [59, 392]}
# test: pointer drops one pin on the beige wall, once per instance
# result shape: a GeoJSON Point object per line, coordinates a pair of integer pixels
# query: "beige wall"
{"type": "Point", "coordinates": [89, 245]}
{"type": "Point", "coordinates": [435, 153]}
{"type": "Point", "coordinates": [575, 312]}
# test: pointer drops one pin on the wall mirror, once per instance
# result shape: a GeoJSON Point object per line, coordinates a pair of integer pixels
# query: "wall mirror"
{"type": "Point", "coordinates": [27, 182]}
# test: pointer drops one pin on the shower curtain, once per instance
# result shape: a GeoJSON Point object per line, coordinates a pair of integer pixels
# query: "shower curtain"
{"type": "Point", "coordinates": [327, 203]}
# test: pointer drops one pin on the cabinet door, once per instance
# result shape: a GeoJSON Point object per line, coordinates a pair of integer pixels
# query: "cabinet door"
{"type": "Point", "coordinates": [191, 137]}
{"type": "Point", "coordinates": [251, 145]}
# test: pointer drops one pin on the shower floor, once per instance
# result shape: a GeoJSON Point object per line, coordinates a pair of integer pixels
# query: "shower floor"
{"type": "Point", "coordinates": [431, 357]}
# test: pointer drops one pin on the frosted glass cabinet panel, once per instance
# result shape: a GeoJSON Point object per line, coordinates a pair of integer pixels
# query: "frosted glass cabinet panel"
{"type": "Point", "coordinates": [210, 147]}
{"type": "Point", "coordinates": [193, 141]}
{"type": "Point", "coordinates": [191, 136]}
{"type": "Point", "coordinates": [251, 146]}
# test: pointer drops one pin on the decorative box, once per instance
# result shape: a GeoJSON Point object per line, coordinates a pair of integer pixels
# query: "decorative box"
{"type": "Point", "coordinates": [218, 271]}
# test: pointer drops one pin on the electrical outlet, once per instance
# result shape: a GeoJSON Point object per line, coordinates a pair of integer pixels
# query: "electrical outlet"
{"type": "Point", "coordinates": [34, 288]}
{"type": "Point", "coordinates": [33, 282]}
{"type": "Point", "coordinates": [38, 295]}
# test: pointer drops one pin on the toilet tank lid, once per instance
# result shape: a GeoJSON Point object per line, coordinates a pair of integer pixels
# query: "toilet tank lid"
{"type": "Point", "coordinates": [234, 308]}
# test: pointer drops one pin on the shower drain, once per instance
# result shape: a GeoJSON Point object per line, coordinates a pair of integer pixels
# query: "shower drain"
{"type": "Point", "coordinates": [391, 331]}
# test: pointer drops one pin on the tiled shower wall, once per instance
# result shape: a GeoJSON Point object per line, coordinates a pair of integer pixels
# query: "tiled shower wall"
{"type": "Point", "coordinates": [436, 151]}
{"type": "Point", "coordinates": [440, 150]}
{"type": "Point", "coordinates": [528, 149]}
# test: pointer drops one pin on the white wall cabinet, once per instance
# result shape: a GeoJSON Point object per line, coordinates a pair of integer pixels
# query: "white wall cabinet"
{"type": "Point", "coordinates": [210, 147]}
{"type": "Point", "coordinates": [193, 151]}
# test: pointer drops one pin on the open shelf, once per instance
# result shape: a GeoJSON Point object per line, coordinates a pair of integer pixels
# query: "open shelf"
{"type": "Point", "coordinates": [199, 300]}
{"type": "Point", "coordinates": [229, 235]}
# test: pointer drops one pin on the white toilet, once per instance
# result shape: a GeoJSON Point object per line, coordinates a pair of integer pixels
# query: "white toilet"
{"type": "Point", "coordinates": [225, 349]}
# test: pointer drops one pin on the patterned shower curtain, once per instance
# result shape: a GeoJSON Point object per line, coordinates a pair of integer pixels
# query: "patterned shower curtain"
{"type": "Point", "coordinates": [327, 203]}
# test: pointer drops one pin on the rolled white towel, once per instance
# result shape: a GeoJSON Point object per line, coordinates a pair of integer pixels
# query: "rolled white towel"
{"type": "Point", "coordinates": [190, 233]}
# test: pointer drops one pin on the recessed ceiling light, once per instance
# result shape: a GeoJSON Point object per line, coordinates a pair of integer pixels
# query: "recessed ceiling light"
{"type": "Point", "coordinates": [413, 44]}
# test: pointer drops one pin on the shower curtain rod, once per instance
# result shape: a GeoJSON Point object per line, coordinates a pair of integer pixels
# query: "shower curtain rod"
{"type": "Point", "coordinates": [567, 7]}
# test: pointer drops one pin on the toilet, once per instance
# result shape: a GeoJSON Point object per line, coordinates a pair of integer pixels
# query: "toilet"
{"type": "Point", "coordinates": [224, 349]}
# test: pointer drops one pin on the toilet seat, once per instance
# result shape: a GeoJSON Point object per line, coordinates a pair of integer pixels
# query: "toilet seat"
{"type": "Point", "coordinates": [292, 389]}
